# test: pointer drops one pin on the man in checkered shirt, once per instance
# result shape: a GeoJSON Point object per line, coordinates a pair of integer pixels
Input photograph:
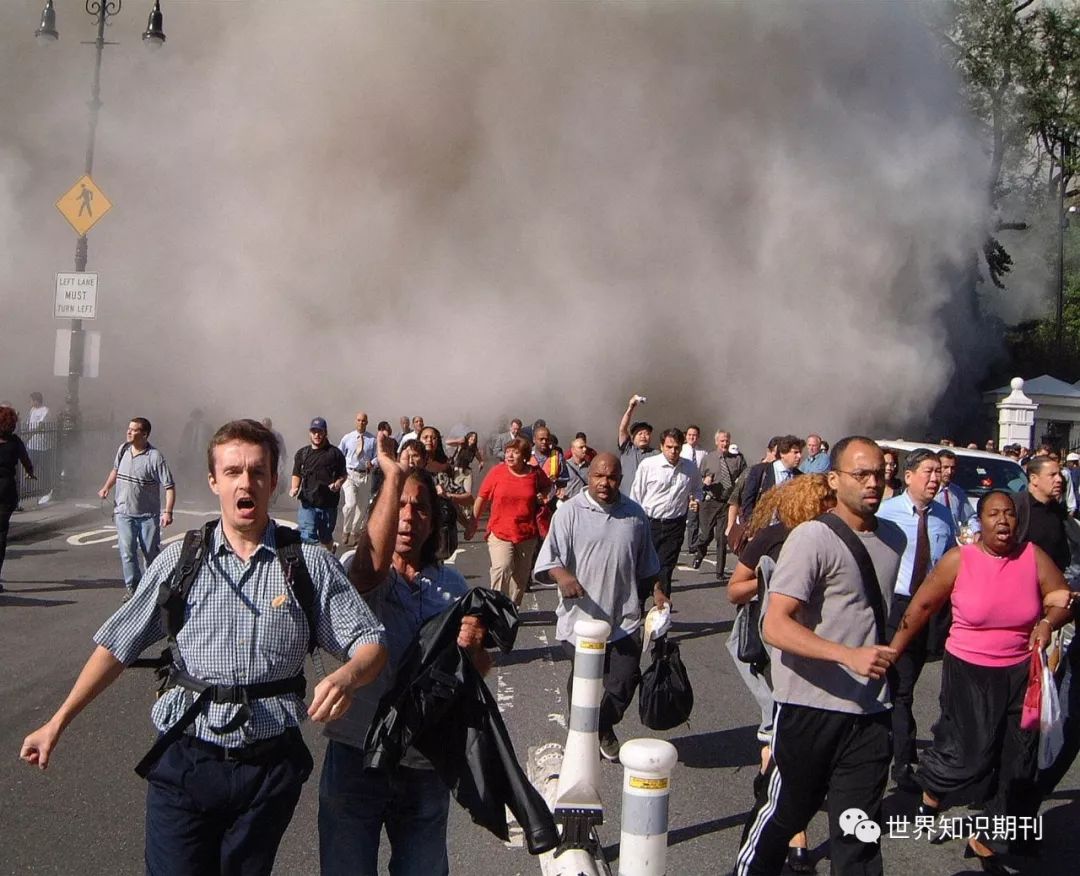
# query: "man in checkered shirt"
{"type": "Point", "coordinates": [220, 801]}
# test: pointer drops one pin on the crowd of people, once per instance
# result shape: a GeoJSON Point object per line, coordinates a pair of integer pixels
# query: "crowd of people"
{"type": "Point", "coordinates": [864, 562]}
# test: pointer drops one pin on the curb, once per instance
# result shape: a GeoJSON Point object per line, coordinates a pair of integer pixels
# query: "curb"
{"type": "Point", "coordinates": [41, 529]}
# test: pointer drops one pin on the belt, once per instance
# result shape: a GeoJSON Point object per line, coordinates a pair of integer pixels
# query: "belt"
{"type": "Point", "coordinates": [253, 752]}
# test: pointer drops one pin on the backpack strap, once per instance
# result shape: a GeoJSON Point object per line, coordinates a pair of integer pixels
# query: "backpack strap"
{"type": "Point", "coordinates": [297, 576]}
{"type": "Point", "coordinates": [172, 598]}
{"type": "Point", "coordinates": [866, 569]}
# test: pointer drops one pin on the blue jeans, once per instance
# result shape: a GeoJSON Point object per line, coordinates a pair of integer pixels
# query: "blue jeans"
{"type": "Point", "coordinates": [316, 524]}
{"type": "Point", "coordinates": [135, 534]}
{"type": "Point", "coordinates": [206, 815]}
{"type": "Point", "coordinates": [355, 804]}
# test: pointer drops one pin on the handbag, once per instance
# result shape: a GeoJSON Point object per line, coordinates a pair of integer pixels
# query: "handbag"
{"type": "Point", "coordinates": [749, 643]}
{"type": "Point", "coordinates": [1030, 715]}
{"type": "Point", "coordinates": [666, 698]}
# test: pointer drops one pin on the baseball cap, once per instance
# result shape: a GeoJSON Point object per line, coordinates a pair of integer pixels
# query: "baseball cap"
{"type": "Point", "coordinates": [1073, 457]}
{"type": "Point", "coordinates": [318, 423]}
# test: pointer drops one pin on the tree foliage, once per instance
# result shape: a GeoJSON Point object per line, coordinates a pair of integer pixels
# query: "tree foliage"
{"type": "Point", "coordinates": [1019, 62]}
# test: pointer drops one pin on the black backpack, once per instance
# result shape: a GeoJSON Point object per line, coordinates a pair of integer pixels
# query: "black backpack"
{"type": "Point", "coordinates": [172, 602]}
{"type": "Point", "coordinates": [666, 697]}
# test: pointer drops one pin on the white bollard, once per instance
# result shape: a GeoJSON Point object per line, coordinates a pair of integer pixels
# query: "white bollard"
{"type": "Point", "coordinates": [647, 766]}
{"type": "Point", "coordinates": [577, 802]}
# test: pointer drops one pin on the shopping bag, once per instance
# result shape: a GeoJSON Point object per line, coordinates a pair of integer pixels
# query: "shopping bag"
{"type": "Point", "coordinates": [1030, 716]}
{"type": "Point", "coordinates": [1051, 722]}
{"type": "Point", "coordinates": [666, 698]}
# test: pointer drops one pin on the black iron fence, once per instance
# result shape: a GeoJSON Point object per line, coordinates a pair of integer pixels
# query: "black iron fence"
{"type": "Point", "coordinates": [66, 461]}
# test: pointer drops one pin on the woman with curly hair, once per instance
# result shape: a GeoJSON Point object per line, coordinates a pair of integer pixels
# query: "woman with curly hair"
{"type": "Point", "coordinates": [12, 452]}
{"type": "Point", "coordinates": [776, 514]}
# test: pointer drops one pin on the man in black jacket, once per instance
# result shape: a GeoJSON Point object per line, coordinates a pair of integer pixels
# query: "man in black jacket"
{"type": "Point", "coordinates": [766, 475]}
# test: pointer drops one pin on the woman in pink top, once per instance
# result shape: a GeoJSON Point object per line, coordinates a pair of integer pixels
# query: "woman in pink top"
{"type": "Point", "coordinates": [997, 588]}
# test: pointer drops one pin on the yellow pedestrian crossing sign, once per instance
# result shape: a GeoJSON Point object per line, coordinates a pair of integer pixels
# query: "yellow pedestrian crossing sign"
{"type": "Point", "coordinates": [83, 204]}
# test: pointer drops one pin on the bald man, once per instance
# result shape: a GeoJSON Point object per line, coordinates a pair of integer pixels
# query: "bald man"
{"type": "Point", "coordinates": [358, 447]}
{"type": "Point", "coordinates": [599, 553]}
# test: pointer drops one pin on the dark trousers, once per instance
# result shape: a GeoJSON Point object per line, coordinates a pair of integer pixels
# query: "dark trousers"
{"type": "Point", "coordinates": [818, 755]}
{"type": "Point", "coordinates": [355, 804]}
{"type": "Point", "coordinates": [1070, 709]}
{"type": "Point", "coordinates": [978, 735]}
{"type": "Point", "coordinates": [622, 675]}
{"type": "Point", "coordinates": [712, 521]}
{"type": "Point", "coordinates": [208, 816]}
{"type": "Point", "coordinates": [6, 510]}
{"type": "Point", "coordinates": [903, 678]}
{"type": "Point", "coordinates": [667, 538]}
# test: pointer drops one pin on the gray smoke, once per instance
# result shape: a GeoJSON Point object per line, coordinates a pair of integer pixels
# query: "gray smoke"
{"type": "Point", "coordinates": [752, 213]}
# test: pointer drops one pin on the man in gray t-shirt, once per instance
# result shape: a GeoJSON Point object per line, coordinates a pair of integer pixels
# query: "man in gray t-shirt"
{"type": "Point", "coordinates": [600, 554]}
{"type": "Point", "coordinates": [139, 473]}
{"type": "Point", "coordinates": [826, 626]}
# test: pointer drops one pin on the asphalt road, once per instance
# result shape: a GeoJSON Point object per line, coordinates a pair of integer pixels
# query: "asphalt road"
{"type": "Point", "coordinates": [85, 814]}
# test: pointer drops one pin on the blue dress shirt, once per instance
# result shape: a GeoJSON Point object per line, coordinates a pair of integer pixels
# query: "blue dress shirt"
{"type": "Point", "coordinates": [901, 511]}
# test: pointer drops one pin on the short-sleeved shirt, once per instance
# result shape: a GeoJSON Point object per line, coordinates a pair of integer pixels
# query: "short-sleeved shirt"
{"type": "Point", "coordinates": [140, 478]}
{"type": "Point", "coordinates": [244, 625]}
{"type": "Point", "coordinates": [630, 457]}
{"type": "Point", "coordinates": [514, 505]}
{"type": "Point", "coordinates": [577, 477]}
{"type": "Point", "coordinates": [402, 608]}
{"type": "Point", "coordinates": [766, 543]}
{"type": "Point", "coordinates": [608, 549]}
{"type": "Point", "coordinates": [816, 568]}
{"type": "Point", "coordinates": [317, 469]}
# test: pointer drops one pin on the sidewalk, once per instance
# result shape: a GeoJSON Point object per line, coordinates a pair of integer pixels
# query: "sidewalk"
{"type": "Point", "coordinates": [37, 522]}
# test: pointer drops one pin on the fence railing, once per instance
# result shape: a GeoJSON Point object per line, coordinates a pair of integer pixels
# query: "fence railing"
{"type": "Point", "coordinates": [70, 459]}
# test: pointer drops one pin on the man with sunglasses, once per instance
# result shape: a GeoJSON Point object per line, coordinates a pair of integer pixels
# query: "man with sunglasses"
{"type": "Point", "coordinates": [930, 532]}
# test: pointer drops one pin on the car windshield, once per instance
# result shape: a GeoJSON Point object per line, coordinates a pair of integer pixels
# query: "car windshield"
{"type": "Point", "coordinates": [979, 475]}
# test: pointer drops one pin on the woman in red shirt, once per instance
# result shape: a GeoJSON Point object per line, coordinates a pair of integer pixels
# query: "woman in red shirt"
{"type": "Point", "coordinates": [516, 493]}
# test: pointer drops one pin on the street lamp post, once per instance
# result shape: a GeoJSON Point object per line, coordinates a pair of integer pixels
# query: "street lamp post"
{"type": "Point", "coordinates": [101, 11]}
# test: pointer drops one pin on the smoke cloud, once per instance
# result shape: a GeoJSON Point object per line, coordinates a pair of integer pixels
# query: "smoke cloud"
{"type": "Point", "coordinates": [752, 213]}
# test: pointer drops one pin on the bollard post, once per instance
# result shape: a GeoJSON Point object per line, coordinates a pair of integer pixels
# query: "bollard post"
{"type": "Point", "coordinates": [647, 766]}
{"type": "Point", "coordinates": [578, 808]}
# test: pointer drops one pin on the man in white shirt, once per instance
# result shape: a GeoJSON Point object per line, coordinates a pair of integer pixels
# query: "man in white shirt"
{"type": "Point", "coordinates": [666, 486]}
{"type": "Point", "coordinates": [417, 428]}
{"type": "Point", "coordinates": [358, 448]}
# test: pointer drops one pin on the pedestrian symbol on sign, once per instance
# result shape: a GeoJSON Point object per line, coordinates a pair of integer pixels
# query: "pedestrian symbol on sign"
{"type": "Point", "coordinates": [86, 196]}
{"type": "Point", "coordinates": [83, 205]}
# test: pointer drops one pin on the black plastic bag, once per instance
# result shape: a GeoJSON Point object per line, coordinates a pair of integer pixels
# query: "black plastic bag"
{"type": "Point", "coordinates": [666, 697]}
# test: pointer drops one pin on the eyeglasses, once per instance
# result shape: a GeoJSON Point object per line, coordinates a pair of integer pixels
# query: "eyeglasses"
{"type": "Point", "coordinates": [863, 475]}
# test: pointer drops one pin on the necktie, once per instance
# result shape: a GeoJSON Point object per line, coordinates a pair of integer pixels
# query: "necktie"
{"type": "Point", "coordinates": [922, 552]}
{"type": "Point", "coordinates": [948, 506]}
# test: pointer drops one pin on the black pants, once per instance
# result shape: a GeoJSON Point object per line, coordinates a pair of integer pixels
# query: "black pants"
{"type": "Point", "coordinates": [205, 815]}
{"type": "Point", "coordinates": [903, 678]}
{"type": "Point", "coordinates": [6, 510]}
{"type": "Point", "coordinates": [818, 755]}
{"type": "Point", "coordinates": [978, 734]}
{"type": "Point", "coordinates": [712, 521]}
{"type": "Point", "coordinates": [622, 675]}
{"type": "Point", "coordinates": [667, 538]}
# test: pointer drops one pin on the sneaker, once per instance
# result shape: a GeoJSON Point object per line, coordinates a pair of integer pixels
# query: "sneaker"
{"type": "Point", "coordinates": [609, 746]}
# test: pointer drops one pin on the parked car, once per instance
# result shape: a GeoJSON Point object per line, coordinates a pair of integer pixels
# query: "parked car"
{"type": "Point", "coordinates": [977, 471]}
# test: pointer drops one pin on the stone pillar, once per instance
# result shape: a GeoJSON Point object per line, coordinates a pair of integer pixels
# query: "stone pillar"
{"type": "Point", "coordinates": [1016, 417]}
